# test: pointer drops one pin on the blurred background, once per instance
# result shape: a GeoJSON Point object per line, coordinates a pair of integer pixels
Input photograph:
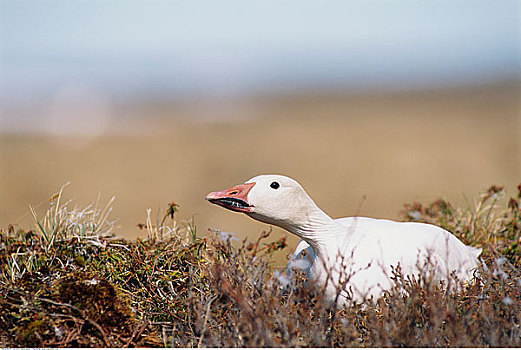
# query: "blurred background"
{"type": "Point", "coordinates": [368, 104]}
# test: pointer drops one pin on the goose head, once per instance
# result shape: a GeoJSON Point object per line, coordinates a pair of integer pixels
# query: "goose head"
{"type": "Point", "coordinates": [272, 199]}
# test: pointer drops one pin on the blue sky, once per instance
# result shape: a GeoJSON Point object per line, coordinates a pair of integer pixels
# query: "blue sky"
{"type": "Point", "coordinates": [235, 47]}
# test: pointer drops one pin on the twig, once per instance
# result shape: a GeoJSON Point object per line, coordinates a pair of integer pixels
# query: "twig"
{"type": "Point", "coordinates": [206, 320]}
{"type": "Point", "coordinates": [137, 332]}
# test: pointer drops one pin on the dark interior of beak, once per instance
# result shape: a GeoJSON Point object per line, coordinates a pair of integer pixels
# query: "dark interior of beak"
{"type": "Point", "coordinates": [230, 202]}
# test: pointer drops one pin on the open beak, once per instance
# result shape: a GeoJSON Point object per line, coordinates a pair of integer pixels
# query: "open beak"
{"type": "Point", "coordinates": [234, 198]}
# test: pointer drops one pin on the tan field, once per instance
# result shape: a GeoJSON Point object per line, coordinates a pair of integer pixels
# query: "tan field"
{"type": "Point", "coordinates": [365, 155]}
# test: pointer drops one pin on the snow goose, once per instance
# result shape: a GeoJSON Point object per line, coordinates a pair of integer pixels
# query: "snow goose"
{"type": "Point", "coordinates": [351, 257]}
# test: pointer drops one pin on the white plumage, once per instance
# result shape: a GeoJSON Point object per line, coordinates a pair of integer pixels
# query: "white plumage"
{"type": "Point", "coordinates": [350, 255]}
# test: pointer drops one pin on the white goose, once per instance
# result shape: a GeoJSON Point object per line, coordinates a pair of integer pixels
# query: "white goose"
{"type": "Point", "coordinates": [351, 257]}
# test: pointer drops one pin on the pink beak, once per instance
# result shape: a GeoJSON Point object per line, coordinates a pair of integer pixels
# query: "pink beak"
{"type": "Point", "coordinates": [234, 198]}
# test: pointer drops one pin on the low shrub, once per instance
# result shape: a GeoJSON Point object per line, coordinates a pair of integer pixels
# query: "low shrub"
{"type": "Point", "coordinates": [70, 282]}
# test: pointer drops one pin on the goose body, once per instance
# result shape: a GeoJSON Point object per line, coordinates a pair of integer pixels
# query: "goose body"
{"type": "Point", "coordinates": [352, 257]}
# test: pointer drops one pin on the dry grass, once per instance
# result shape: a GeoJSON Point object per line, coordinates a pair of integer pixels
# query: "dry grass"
{"type": "Point", "coordinates": [68, 282]}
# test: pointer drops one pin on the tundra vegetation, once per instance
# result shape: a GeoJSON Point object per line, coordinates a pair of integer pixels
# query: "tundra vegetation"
{"type": "Point", "coordinates": [70, 282]}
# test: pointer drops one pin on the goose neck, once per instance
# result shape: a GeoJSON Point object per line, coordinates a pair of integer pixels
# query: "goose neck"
{"type": "Point", "coordinates": [318, 229]}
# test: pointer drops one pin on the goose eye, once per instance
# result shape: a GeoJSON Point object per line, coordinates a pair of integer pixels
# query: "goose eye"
{"type": "Point", "coordinates": [274, 185]}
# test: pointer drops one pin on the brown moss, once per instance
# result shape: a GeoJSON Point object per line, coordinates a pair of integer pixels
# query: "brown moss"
{"type": "Point", "coordinates": [33, 333]}
{"type": "Point", "coordinates": [96, 297]}
{"type": "Point", "coordinates": [103, 306]}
